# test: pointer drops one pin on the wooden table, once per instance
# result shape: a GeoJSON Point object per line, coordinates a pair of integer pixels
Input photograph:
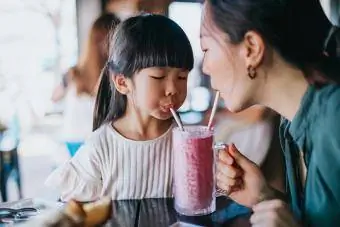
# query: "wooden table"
{"type": "Point", "coordinates": [160, 213]}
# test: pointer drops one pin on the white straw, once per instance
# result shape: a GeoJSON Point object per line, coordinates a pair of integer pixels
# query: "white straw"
{"type": "Point", "coordinates": [212, 115]}
{"type": "Point", "coordinates": [178, 121]}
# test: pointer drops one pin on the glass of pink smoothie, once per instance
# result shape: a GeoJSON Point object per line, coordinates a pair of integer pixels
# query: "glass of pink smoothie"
{"type": "Point", "coordinates": [194, 171]}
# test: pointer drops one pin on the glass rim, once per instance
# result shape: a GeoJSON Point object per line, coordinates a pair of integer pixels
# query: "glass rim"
{"type": "Point", "coordinates": [192, 131]}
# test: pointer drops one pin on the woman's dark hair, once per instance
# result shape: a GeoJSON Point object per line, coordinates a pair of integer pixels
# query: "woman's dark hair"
{"type": "Point", "coordinates": [139, 42]}
{"type": "Point", "coordinates": [296, 29]}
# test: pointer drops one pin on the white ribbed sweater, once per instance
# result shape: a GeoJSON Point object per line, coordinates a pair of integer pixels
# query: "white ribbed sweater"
{"type": "Point", "coordinates": [112, 165]}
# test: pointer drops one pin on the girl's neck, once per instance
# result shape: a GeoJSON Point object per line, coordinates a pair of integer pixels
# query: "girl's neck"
{"type": "Point", "coordinates": [134, 127]}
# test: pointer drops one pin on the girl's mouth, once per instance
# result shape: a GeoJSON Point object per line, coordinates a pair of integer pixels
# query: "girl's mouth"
{"type": "Point", "coordinates": [166, 108]}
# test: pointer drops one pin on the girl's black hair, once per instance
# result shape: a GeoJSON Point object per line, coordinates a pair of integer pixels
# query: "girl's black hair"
{"type": "Point", "coordinates": [296, 29]}
{"type": "Point", "coordinates": [139, 42]}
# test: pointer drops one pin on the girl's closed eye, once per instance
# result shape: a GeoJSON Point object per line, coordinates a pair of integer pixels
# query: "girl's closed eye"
{"type": "Point", "coordinates": [183, 75]}
{"type": "Point", "coordinates": [158, 77]}
{"type": "Point", "coordinates": [157, 73]}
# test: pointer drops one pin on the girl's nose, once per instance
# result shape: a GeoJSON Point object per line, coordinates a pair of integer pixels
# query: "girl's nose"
{"type": "Point", "coordinates": [171, 88]}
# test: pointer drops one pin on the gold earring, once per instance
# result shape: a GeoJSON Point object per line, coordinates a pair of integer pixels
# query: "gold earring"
{"type": "Point", "coordinates": [251, 72]}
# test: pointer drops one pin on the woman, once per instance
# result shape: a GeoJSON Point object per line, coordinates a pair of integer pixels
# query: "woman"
{"type": "Point", "coordinates": [272, 53]}
{"type": "Point", "coordinates": [81, 84]}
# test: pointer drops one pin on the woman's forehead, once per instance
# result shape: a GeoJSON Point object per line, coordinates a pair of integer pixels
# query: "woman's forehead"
{"type": "Point", "coordinates": [208, 27]}
{"type": "Point", "coordinates": [205, 20]}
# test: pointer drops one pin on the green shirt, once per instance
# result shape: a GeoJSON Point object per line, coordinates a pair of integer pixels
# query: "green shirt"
{"type": "Point", "coordinates": [315, 130]}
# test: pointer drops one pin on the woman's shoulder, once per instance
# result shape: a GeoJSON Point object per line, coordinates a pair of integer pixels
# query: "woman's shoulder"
{"type": "Point", "coordinates": [330, 91]}
{"type": "Point", "coordinates": [328, 100]}
{"type": "Point", "coordinates": [326, 112]}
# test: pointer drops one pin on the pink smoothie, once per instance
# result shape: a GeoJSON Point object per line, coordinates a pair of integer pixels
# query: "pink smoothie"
{"type": "Point", "coordinates": [193, 168]}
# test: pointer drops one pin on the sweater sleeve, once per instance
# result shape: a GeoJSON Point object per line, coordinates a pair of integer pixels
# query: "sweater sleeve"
{"type": "Point", "coordinates": [80, 177]}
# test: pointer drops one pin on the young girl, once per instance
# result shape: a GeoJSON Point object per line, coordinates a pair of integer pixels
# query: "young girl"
{"type": "Point", "coordinates": [129, 156]}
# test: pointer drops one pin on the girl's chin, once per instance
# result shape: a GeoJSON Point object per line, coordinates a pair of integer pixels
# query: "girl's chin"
{"type": "Point", "coordinates": [163, 115]}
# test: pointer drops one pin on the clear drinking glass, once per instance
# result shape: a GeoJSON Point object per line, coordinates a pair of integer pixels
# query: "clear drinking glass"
{"type": "Point", "coordinates": [194, 171]}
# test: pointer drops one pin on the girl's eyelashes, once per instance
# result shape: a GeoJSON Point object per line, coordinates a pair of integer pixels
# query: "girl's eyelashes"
{"type": "Point", "coordinates": [160, 78]}
{"type": "Point", "coordinates": [157, 78]}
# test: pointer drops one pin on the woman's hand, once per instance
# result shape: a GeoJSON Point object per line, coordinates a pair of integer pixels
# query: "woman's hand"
{"type": "Point", "coordinates": [240, 178]}
{"type": "Point", "coordinates": [272, 213]}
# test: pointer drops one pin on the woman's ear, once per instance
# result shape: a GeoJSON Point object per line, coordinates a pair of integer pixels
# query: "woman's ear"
{"type": "Point", "coordinates": [255, 48]}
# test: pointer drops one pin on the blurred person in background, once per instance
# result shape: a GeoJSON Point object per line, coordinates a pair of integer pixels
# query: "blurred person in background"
{"type": "Point", "coordinates": [79, 85]}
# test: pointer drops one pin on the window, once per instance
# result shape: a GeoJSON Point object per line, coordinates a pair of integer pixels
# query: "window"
{"type": "Point", "coordinates": [199, 96]}
{"type": "Point", "coordinates": [38, 42]}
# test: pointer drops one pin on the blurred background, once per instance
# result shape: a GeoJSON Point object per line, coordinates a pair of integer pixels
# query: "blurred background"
{"type": "Point", "coordinates": [39, 41]}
